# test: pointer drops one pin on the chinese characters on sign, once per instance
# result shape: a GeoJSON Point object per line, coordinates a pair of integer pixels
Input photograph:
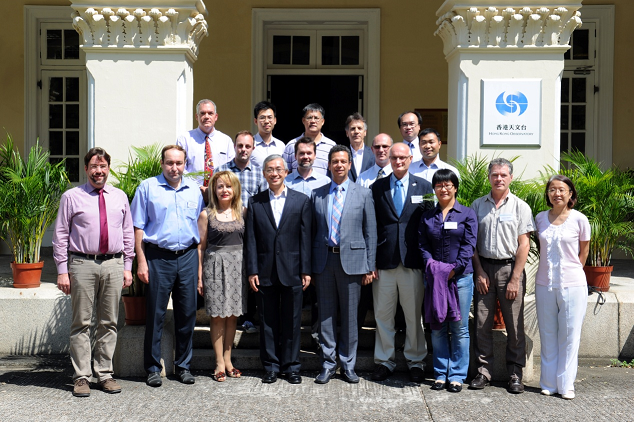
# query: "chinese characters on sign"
{"type": "Point", "coordinates": [511, 112]}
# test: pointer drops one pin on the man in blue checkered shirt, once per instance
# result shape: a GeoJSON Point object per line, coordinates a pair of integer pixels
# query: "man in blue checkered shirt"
{"type": "Point", "coordinates": [250, 174]}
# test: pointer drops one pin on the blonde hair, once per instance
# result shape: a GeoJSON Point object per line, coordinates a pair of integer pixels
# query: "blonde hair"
{"type": "Point", "coordinates": [236, 202]}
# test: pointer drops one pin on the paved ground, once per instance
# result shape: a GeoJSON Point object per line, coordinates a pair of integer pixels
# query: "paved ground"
{"type": "Point", "coordinates": [39, 389]}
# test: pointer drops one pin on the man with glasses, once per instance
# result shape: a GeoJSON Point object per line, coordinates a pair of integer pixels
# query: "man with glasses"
{"type": "Point", "coordinates": [265, 118]}
{"type": "Point", "coordinates": [505, 223]}
{"type": "Point", "coordinates": [399, 205]}
{"type": "Point", "coordinates": [430, 144]}
{"type": "Point", "coordinates": [277, 253]}
{"type": "Point", "coordinates": [380, 148]}
{"type": "Point", "coordinates": [409, 125]}
{"type": "Point", "coordinates": [313, 120]}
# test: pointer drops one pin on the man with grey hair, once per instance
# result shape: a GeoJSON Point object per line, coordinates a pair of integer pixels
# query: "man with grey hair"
{"type": "Point", "coordinates": [313, 120]}
{"type": "Point", "coordinates": [206, 147]}
{"type": "Point", "coordinates": [362, 158]}
{"type": "Point", "coordinates": [505, 223]}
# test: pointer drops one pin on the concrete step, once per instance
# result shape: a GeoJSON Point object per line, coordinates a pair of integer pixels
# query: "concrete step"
{"type": "Point", "coordinates": [202, 318]}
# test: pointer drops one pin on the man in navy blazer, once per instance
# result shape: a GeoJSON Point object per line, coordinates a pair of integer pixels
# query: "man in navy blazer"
{"type": "Point", "coordinates": [399, 203]}
{"type": "Point", "coordinates": [343, 259]}
{"type": "Point", "coordinates": [277, 255]}
{"type": "Point", "coordinates": [362, 156]}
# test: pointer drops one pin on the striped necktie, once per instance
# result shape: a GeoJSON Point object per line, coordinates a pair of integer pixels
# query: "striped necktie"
{"type": "Point", "coordinates": [337, 208]}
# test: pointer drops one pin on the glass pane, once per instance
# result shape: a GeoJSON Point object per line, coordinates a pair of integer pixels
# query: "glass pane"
{"type": "Point", "coordinates": [56, 90]}
{"type": "Point", "coordinates": [281, 49]}
{"type": "Point", "coordinates": [563, 142]}
{"type": "Point", "coordinates": [55, 116]}
{"type": "Point", "coordinates": [71, 44]}
{"type": "Point", "coordinates": [565, 121]}
{"type": "Point", "coordinates": [53, 43]}
{"type": "Point", "coordinates": [579, 90]}
{"type": "Point", "coordinates": [301, 50]}
{"type": "Point", "coordinates": [350, 50]}
{"type": "Point", "coordinates": [329, 51]}
{"type": "Point", "coordinates": [72, 116]}
{"type": "Point", "coordinates": [578, 117]}
{"type": "Point", "coordinates": [567, 55]}
{"type": "Point", "coordinates": [54, 160]}
{"type": "Point", "coordinates": [72, 89]}
{"type": "Point", "coordinates": [72, 143]}
{"type": "Point", "coordinates": [578, 142]}
{"type": "Point", "coordinates": [72, 167]}
{"type": "Point", "coordinates": [565, 90]}
{"type": "Point", "coordinates": [580, 44]}
{"type": "Point", "coordinates": [56, 142]}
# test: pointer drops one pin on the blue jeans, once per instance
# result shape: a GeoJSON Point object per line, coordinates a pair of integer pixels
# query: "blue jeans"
{"type": "Point", "coordinates": [451, 342]}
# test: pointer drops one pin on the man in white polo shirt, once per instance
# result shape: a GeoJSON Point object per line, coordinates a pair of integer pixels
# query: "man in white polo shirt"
{"type": "Point", "coordinates": [265, 117]}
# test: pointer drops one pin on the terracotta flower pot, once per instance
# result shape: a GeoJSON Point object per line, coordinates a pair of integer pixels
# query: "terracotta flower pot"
{"type": "Point", "coordinates": [134, 310]}
{"type": "Point", "coordinates": [27, 276]}
{"type": "Point", "coordinates": [598, 277]}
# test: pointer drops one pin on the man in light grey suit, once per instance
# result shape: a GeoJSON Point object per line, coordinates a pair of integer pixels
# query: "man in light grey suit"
{"type": "Point", "coordinates": [343, 259]}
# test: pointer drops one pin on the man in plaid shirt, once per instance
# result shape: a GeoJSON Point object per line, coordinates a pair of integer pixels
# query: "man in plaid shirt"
{"type": "Point", "coordinates": [250, 174]}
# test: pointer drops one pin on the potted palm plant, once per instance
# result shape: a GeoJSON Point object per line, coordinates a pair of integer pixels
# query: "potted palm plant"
{"type": "Point", "coordinates": [30, 191]}
{"type": "Point", "coordinates": [143, 164]}
{"type": "Point", "coordinates": [606, 197]}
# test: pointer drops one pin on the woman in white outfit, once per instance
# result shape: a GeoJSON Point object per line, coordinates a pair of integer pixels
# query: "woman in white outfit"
{"type": "Point", "coordinates": [561, 290]}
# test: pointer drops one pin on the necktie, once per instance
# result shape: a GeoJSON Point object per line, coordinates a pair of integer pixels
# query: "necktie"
{"type": "Point", "coordinates": [337, 208]}
{"type": "Point", "coordinates": [103, 224]}
{"type": "Point", "coordinates": [398, 197]}
{"type": "Point", "coordinates": [209, 162]}
{"type": "Point", "coordinates": [381, 174]}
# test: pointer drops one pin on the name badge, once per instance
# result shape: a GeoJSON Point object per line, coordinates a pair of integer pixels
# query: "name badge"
{"type": "Point", "coordinates": [191, 204]}
{"type": "Point", "coordinates": [507, 217]}
{"type": "Point", "coordinates": [451, 225]}
{"type": "Point", "coordinates": [417, 199]}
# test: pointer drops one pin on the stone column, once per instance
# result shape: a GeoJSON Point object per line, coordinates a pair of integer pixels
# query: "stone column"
{"type": "Point", "coordinates": [495, 53]}
{"type": "Point", "coordinates": [139, 63]}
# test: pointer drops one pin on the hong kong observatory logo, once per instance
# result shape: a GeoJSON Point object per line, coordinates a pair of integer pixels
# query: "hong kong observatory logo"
{"type": "Point", "coordinates": [511, 103]}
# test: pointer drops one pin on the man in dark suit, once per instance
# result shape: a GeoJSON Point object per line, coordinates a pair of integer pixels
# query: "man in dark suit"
{"type": "Point", "coordinates": [277, 255]}
{"type": "Point", "coordinates": [399, 204]}
{"type": "Point", "coordinates": [343, 259]}
{"type": "Point", "coordinates": [362, 156]}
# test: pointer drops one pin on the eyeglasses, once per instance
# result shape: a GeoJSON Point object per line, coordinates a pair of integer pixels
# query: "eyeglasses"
{"type": "Point", "coordinates": [409, 124]}
{"type": "Point", "coordinates": [447, 187]}
{"type": "Point", "coordinates": [312, 118]}
{"type": "Point", "coordinates": [381, 146]}
{"type": "Point", "coordinates": [398, 157]}
{"type": "Point", "coordinates": [278, 170]}
{"type": "Point", "coordinates": [265, 118]}
{"type": "Point", "coordinates": [555, 190]}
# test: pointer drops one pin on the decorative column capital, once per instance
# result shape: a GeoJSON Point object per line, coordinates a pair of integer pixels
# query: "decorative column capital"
{"type": "Point", "coordinates": [164, 25]}
{"type": "Point", "coordinates": [482, 25]}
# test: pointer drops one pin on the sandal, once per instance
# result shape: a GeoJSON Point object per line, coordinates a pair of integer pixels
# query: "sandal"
{"type": "Point", "coordinates": [220, 376]}
{"type": "Point", "coordinates": [234, 373]}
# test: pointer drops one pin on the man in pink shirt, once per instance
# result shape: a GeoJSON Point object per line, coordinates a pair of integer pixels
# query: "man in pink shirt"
{"type": "Point", "coordinates": [93, 248]}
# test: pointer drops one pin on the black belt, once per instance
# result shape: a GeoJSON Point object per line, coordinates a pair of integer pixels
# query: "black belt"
{"type": "Point", "coordinates": [169, 251]}
{"type": "Point", "coordinates": [496, 261]}
{"type": "Point", "coordinates": [102, 257]}
{"type": "Point", "coordinates": [333, 249]}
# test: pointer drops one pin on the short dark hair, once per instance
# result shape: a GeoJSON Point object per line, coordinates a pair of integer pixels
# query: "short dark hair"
{"type": "Point", "coordinates": [339, 148]}
{"type": "Point", "coordinates": [314, 107]}
{"type": "Point", "coordinates": [445, 175]}
{"type": "Point", "coordinates": [241, 133]}
{"type": "Point", "coordinates": [305, 140]}
{"type": "Point", "coordinates": [573, 192]}
{"type": "Point", "coordinates": [356, 117]}
{"type": "Point", "coordinates": [176, 147]}
{"type": "Point", "coordinates": [416, 113]}
{"type": "Point", "coordinates": [427, 131]}
{"type": "Point", "coordinates": [263, 105]}
{"type": "Point", "coordinates": [99, 152]}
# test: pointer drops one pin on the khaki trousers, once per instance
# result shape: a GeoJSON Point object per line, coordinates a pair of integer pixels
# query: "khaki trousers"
{"type": "Point", "coordinates": [94, 285]}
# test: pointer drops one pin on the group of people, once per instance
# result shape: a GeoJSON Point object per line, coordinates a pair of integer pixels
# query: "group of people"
{"type": "Point", "coordinates": [359, 225]}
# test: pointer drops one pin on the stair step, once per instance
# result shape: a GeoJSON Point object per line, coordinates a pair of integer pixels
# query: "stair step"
{"type": "Point", "coordinates": [203, 319]}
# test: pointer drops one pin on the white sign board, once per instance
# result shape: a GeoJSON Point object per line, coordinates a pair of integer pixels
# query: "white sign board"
{"type": "Point", "coordinates": [511, 111]}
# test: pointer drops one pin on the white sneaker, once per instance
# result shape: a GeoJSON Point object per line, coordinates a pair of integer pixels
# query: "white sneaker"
{"type": "Point", "coordinates": [546, 393]}
{"type": "Point", "coordinates": [569, 395]}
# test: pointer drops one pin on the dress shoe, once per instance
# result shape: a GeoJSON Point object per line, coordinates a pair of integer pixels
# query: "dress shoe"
{"type": "Point", "coordinates": [270, 377]}
{"type": "Point", "coordinates": [381, 373]}
{"type": "Point", "coordinates": [515, 385]}
{"type": "Point", "coordinates": [81, 388]}
{"type": "Point", "coordinates": [569, 395]}
{"type": "Point", "coordinates": [186, 377]}
{"type": "Point", "coordinates": [454, 387]}
{"type": "Point", "coordinates": [416, 374]}
{"type": "Point", "coordinates": [479, 382]}
{"type": "Point", "coordinates": [325, 375]}
{"type": "Point", "coordinates": [110, 386]}
{"type": "Point", "coordinates": [547, 393]}
{"type": "Point", "coordinates": [292, 377]}
{"type": "Point", "coordinates": [350, 376]}
{"type": "Point", "coordinates": [438, 385]}
{"type": "Point", "coordinates": [154, 379]}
